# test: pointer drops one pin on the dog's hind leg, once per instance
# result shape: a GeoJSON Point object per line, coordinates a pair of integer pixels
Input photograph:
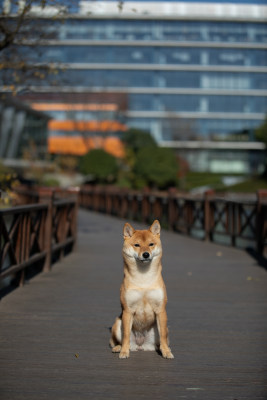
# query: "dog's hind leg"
{"type": "Point", "coordinates": [116, 349]}
{"type": "Point", "coordinates": [116, 336]}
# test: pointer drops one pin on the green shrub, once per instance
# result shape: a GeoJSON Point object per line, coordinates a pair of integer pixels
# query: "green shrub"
{"type": "Point", "coordinates": [157, 167]}
{"type": "Point", "coordinates": [136, 139]}
{"type": "Point", "coordinates": [100, 165]}
{"type": "Point", "coordinates": [8, 181]}
{"type": "Point", "coordinates": [51, 182]}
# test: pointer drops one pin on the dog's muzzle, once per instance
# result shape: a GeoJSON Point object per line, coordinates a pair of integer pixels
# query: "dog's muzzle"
{"type": "Point", "coordinates": [145, 257]}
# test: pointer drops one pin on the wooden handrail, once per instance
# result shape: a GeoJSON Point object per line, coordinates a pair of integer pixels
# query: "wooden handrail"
{"type": "Point", "coordinates": [36, 233]}
{"type": "Point", "coordinates": [237, 222]}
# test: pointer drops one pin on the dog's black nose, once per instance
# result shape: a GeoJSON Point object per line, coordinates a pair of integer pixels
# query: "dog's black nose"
{"type": "Point", "coordinates": [146, 255]}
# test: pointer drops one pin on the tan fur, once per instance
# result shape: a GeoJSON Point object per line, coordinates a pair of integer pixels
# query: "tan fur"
{"type": "Point", "coordinates": [143, 322]}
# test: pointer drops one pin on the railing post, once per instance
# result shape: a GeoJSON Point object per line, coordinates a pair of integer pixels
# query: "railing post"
{"type": "Point", "coordinates": [261, 220]}
{"type": "Point", "coordinates": [109, 201]}
{"type": "Point", "coordinates": [75, 192]}
{"type": "Point", "coordinates": [145, 205]}
{"type": "Point", "coordinates": [188, 207]}
{"type": "Point", "coordinates": [46, 197]}
{"type": "Point", "coordinates": [95, 198]}
{"type": "Point", "coordinates": [25, 195]}
{"type": "Point", "coordinates": [124, 203]}
{"type": "Point", "coordinates": [157, 208]}
{"type": "Point", "coordinates": [171, 207]}
{"type": "Point", "coordinates": [25, 248]}
{"type": "Point", "coordinates": [20, 243]}
{"type": "Point", "coordinates": [207, 213]}
{"type": "Point", "coordinates": [233, 211]}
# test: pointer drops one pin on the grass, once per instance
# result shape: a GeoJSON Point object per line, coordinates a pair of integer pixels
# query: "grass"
{"type": "Point", "coordinates": [214, 181]}
{"type": "Point", "coordinates": [197, 179]}
{"type": "Point", "coordinates": [249, 186]}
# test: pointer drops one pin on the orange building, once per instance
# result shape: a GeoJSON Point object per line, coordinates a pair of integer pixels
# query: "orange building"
{"type": "Point", "coordinates": [81, 122]}
{"type": "Point", "coordinates": [78, 145]}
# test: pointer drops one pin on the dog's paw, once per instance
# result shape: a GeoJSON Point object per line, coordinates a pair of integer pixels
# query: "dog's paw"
{"type": "Point", "coordinates": [166, 353]}
{"type": "Point", "coordinates": [124, 354]}
{"type": "Point", "coordinates": [116, 349]}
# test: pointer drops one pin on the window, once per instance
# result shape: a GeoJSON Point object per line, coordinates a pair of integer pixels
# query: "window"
{"type": "Point", "coordinates": [225, 81]}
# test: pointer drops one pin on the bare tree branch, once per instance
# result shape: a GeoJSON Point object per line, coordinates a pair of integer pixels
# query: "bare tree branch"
{"type": "Point", "coordinates": [10, 32]}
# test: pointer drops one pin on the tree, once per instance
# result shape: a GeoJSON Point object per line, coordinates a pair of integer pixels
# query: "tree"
{"type": "Point", "coordinates": [136, 139]}
{"type": "Point", "coordinates": [15, 14]}
{"type": "Point", "coordinates": [145, 163]}
{"type": "Point", "coordinates": [24, 24]}
{"type": "Point", "coordinates": [10, 28]}
{"type": "Point", "coordinates": [8, 180]}
{"type": "Point", "coordinates": [100, 165]}
{"type": "Point", "coordinates": [20, 64]}
{"type": "Point", "coordinates": [133, 139]}
{"type": "Point", "coordinates": [177, 128]}
{"type": "Point", "coordinates": [156, 167]}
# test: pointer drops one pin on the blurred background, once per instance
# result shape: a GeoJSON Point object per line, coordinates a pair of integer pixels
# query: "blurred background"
{"type": "Point", "coordinates": [138, 94]}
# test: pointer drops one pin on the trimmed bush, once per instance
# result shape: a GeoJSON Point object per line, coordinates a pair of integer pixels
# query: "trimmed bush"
{"type": "Point", "coordinates": [136, 139]}
{"type": "Point", "coordinates": [99, 165]}
{"type": "Point", "coordinates": [157, 167]}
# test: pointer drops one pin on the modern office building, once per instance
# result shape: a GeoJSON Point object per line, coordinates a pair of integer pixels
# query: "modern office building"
{"type": "Point", "coordinates": [23, 131]}
{"type": "Point", "coordinates": [188, 71]}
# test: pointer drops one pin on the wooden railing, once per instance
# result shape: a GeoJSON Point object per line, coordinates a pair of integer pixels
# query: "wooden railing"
{"type": "Point", "coordinates": [40, 233]}
{"type": "Point", "coordinates": [36, 234]}
{"type": "Point", "coordinates": [241, 223]}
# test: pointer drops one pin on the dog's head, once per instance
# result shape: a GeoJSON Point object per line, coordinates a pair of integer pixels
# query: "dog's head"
{"type": "Point", "coordinates": [143, 245]}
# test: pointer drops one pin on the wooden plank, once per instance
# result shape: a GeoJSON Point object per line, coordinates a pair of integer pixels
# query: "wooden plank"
{"type": "Point", "coordinates": [54, 331]}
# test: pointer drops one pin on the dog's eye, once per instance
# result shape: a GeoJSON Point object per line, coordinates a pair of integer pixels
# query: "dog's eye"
{"type": "Point", "coordinates": [151, 244]}
{"type": "Point", "coordinates": [137, 245]}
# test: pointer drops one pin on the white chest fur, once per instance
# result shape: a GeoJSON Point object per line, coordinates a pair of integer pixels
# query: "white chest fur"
{"type": "Point", "coordinates": [144, 300]}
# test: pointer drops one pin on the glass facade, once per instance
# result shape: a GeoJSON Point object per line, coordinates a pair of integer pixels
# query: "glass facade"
{"type": "Point", "coordinates": [210, 75]}
{"type": "Point", "coordinates": [156, 54]}
{"type": "Point", "coordinates": [23, 131]}
{"type": "Point", "coordinates": [153, 30]}
{"type": "Point", "coordinates": [234, 161]}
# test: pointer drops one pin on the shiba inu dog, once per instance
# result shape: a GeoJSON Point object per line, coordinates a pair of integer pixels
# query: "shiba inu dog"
{"type": "Point", "coordinates": [142, 324]}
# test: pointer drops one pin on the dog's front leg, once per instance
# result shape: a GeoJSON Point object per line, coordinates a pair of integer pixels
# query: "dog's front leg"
{"type": "Point", "coordinates": [163, 335]}
{"type": "Point", "coordinates": [127, 320]}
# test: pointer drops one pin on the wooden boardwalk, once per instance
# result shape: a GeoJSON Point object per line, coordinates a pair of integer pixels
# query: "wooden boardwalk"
{"type": "Point", "coordinates": [54, 331]}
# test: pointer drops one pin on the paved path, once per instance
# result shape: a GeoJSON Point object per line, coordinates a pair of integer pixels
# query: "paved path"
{"type": "Point", "coordinates": [54, 332]}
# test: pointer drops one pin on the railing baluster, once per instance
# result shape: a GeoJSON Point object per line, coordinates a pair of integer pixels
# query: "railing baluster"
{"type": "Point", "coordinates": [235, 225]}
{"type": "Point", "coordinates": [46, 196]}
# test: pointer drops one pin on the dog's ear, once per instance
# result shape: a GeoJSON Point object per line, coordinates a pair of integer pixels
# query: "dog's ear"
{"type": "Point", "coordinates": [128, 231]}
{"type": "Point", "coordinates": [155, 228]}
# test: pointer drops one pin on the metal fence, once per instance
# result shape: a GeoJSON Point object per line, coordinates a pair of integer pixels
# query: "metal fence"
{"type": "Point", "coordinates": [241, 223]}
